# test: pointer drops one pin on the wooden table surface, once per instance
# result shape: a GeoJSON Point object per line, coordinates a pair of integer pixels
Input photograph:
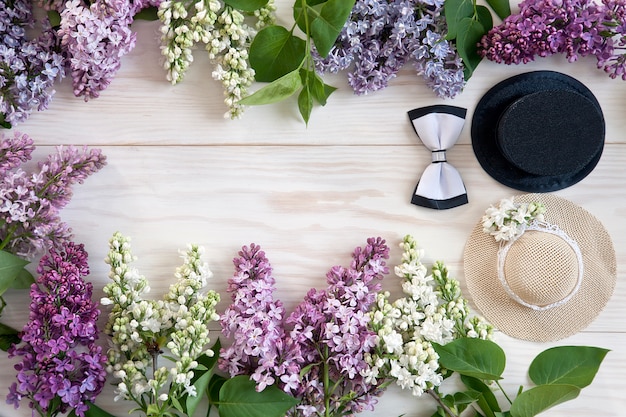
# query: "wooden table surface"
{"type": "Point", "coordinates": [179, 173]}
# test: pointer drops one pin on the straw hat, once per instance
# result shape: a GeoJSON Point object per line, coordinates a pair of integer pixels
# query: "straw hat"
{"type": "Point", "coordinates": [550, 280]}
{"type": "Point", "coordinates": [539, 131]}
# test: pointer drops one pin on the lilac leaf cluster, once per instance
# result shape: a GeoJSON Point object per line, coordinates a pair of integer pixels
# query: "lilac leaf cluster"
{"type": "Point", "coordinates": [61, 365]}
{"type": "Point", "coordinates": [576, 28]}
{"type": "Point", "coordinates": [317, 353]}
{"type": "Point", "coordinates": [380, 37]}
{"type": "Point", "coordinates": [31, 201]}
{"type": "Point", "coordinates": [28, 67]}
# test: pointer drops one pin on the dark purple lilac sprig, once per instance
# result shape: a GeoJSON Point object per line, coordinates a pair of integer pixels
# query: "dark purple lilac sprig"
{"type": "Point", "coordinates": [317, 353]}
{"type": "Point", "coordinates": [28, 67]}
{"type": "Point", "coordinates": [30, 202]}
{"type": "Point", "coordinates": [380, 37]}
{"type": "Point", "coordinates": [576, 28]}
{"type": "Point", "coordinates": [61, 366]}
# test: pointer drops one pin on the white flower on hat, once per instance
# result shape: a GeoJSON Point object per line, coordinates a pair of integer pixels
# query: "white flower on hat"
{"type": "Point", "coordinates": [508, 219]}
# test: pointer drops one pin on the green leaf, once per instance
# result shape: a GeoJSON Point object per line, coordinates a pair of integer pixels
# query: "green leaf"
{"type": "Point", "coordinates": [311, 12]}
{"type": "Point", "coordinates": [275, 52]}
{"type": "Point", "coordinates": [54, 17]}
{"type": "Point", "coordinates": [569, 365]}
{"type": "Point", "coordinates": [454, 11]}
{"type": "Point", "coordinates": [484, 18]}
{"type": "Point", "coordinates": [326, 28]}
{"type": "Point", "coordinates": [320, 90]}
{"type": "Point", "coordinates": [482, 359]}
{"type": "Point", "coordinates": [469, 33]}
{"type": "Point", "coordinates": [239, 398]}
{"type": "Point", "coordinates": [275, 91]}
{"type": "Point", "coordinates": [210, 361]}
{"type": "Point", "coordinates": [466, 397]}
{"type": "Point", "coordinates": [501, 7]}
{"type": "Point", "coordinates": [8, 337]}
{"type": "Point", "coordinates": [213, 390]}
{"type": "Point", "coordinates": [147, 13]}
{"type": "Point", "coordinates": [487, 400]}
{"type": "Point", "coordinates": [23, 280]}
{"type": "Point", "coordinates": [305, 104]}
{"type": "Point", "coordinates": [11, 267]}
{"type": "Point", "coordinates": [246, 5]}
{"type": "Point", "coordinates": [201, 384]}
{"type": "Point", "coordinates": [535, 400]}
{"type": "Point", "coordinates": [93, 411]}
{"type": "Point", "coordinates": [177, 405]}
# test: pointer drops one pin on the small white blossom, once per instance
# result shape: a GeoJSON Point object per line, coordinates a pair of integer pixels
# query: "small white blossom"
{"type": "Point", "coordinates": [431, 311]}
{"type": "Point", "coordinates": [507, 220]}
{"type": "Point", "coordinates": [140, 329]}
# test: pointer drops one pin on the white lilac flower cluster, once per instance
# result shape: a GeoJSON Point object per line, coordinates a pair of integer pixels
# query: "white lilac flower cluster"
{"type": "Point", "coordinates": [433, 310]}
{"type": "Point", "coordinates": [226, 36]}
{"type": "Point", "coordinates": [142, 329]}
{"type": "Point", "coordinates": [508, 219]}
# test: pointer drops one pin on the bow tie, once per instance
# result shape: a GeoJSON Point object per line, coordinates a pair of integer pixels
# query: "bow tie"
{"type": "Point", "coordinates": [439, 127]}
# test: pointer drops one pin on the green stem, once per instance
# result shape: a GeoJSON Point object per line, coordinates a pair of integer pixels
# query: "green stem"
{"type": "Point", "coordinates": [445, 408]}
{"type": "Point", "coordinates": [326, 379]}
{"type": "Point", "coordinates": [8, 237]}
{"type": "Point", "coordinates": [503, 392]}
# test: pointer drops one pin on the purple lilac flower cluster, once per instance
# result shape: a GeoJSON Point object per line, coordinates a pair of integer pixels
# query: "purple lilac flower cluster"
{"type": "Point", "coordinates": [30, 203]}
{"type": "Point", "coordinates": [28, 67]}
{"type": "Point", "coordinates": [95, 38]}
{"type": "Point", "coordinates": [90, 41]}
{"type": "Point", "coordinates": [381, 36]}
{"type": "Point", "coordinates": [576, 28]}
{"type": "Point", "coordinates": [255, 321]}
{"type": "Point", "coordinates": [61, 366]}
{"type": "Point", "coordinates": [318, 352]}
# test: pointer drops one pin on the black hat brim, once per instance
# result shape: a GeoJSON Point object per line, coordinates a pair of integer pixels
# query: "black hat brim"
{"type": "Point", "coordinates": [485, 123]}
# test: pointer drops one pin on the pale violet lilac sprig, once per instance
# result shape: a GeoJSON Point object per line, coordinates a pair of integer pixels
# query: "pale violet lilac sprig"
{"type": "Point", "coordinates": [29, 66]}
{"type": "Point", "coordinates": [145, 332]}
{"type": "Point", "coordinates": [507, 220]}
{"type": "Point", "coordinates": [226, 34]}
{"type": "Point", "coordinates": [260, 346]}
{"type": "Point", "coordinates": [380, 37]}
{"type": "Point", "coordinates": [318, 352]}
{"type": "Point", "coordinates": [432, 310]}
{"type": "Point", "coordinates": [62, 367]}
{"type": "Point", "coordinates": [31, 201]}
{"type": "Point", "coordinates": [95, 36]}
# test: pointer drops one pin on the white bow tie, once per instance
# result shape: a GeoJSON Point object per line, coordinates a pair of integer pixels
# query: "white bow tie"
{"type": "Point", "coordinates": [439, 127]}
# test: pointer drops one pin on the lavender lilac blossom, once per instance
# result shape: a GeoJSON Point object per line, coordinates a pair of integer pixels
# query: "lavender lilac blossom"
{"type": "Point", "coordinates": [380, 37]}
{"type": "Point", "coordinates": [254, 320]}
{"type": "Point", "coordinates": [30, 202]}
{"type": "Point", "coordinates": [95, 38]}
{"type": "Point", "coordinates": [62, 367]}
{"type": "Point", "coordinates": [576, 28]}
{"type": "Point", "coordinates": [318, 352]}
{"type": "Point", "coordinates": [28, 67]}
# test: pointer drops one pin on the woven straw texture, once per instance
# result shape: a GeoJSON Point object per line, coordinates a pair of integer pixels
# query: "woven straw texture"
{"type": "Point", "coordinates": [516, 320]}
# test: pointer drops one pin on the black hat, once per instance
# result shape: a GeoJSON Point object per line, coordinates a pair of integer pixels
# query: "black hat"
{"type": "Point", "coordinates": [539, 131]}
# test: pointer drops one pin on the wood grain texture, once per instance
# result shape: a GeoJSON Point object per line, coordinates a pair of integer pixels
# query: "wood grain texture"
{"type": "Point", "coordinates": [179, 173]}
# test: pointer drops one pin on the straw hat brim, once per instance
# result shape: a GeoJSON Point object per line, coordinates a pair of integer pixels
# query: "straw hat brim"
{"type": "Point", "coordinates": [516, 320]}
